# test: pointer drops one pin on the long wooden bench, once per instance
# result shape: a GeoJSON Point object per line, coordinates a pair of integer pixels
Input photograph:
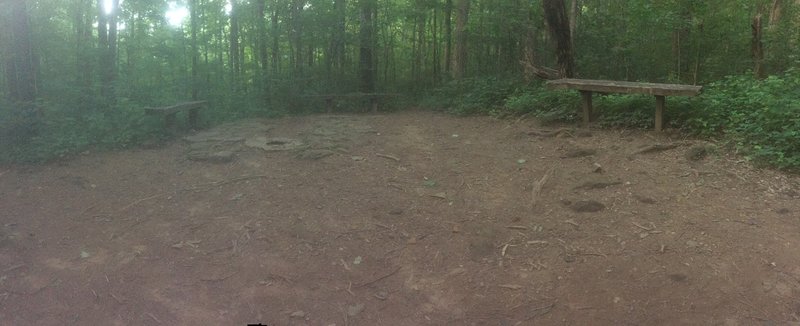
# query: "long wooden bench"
{"type": "Point", "coordinates": [660, 91]}
{"type": "Point", "coordinates": [169, 113]}
{"type": "Point", "coordinates": [373, 98]}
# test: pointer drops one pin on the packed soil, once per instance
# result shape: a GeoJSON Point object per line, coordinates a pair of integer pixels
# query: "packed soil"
{"type": "Point", "coordinates": [410, 218]}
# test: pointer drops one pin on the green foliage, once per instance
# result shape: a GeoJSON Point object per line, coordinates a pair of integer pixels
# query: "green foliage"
{"type": "Point", "coordinates": [471, 95]}
{"type": "Point", "coordinates": [762, 117]}
{"type": "Point", "coordinates": [548, 106]}
{"type": "Point", "coordinates": [61, 132]}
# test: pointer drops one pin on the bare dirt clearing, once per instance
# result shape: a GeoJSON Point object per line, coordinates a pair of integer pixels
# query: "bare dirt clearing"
{"type": "Point", "coordinates": [402, 219]}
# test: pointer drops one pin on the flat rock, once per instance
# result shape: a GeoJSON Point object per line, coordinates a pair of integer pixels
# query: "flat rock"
{"type": "Point", "coordinates": [313, 154]}
{"type": "Point", "coordinates": [355, 309]}
{"type": "Point", "coordinates": [211, 157]}
{"type": "Point", "coordinates": [579, 152]}
{"type": "Point", "coordinates": [587, 206]}
{"type": "Point", "coordinates": [273, 144]}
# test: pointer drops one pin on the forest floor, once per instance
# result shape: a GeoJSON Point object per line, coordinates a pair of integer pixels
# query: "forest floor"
{"type": "Point", "coordinates": [409, 218]}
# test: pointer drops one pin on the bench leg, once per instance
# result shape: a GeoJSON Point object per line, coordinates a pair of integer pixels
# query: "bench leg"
{"type": "Point", "coordinates": [169, 121]}
{"type": "Point", "coordinates": [587, 107]}
{"type": "Point", "coordinates": [193, 113]}
{"type": "Point", "coordinates": [329, 105]}
{"type": "Point", "coordinates": [659, 112]}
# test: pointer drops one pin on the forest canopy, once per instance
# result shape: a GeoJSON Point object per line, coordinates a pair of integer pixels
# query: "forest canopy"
{"type": "Point", "coordinates": [76, 74]}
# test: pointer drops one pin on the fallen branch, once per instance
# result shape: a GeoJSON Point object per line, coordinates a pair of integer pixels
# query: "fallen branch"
{"type": "Point", "coordinates": [549, 133]}
{"type": "Point", "coordinates": [656, 148]}
{"type": "Point", "coordinates": [391, 157]}
{"type": "Point", "coordinates": [137, 202]}
{"type": "Point", "coordinates": [380, 278]}
{"type": "Point", "coordinates": [538, 185]}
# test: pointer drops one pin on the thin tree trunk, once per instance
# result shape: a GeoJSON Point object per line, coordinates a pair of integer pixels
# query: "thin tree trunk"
{"type": "Point", "coordinates": [448, 35]}
{"type": "Point", "coordinates": [195, 53]}
{"type": "Point", "coordinates": [757, 47]}
{"type": "Point", "coordinates": [557, 22]}
{"type": "Point", "coordinates": [366, 66]}
{"type": "Point", "coordinates": [460, 57]}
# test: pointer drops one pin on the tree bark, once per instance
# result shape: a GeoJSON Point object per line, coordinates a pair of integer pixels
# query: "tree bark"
{"type": "Point", "coordinates": [460, 57]}
{"type": "Point", "coordinates": [20, 67]}
{"type": "Point", "coordinates": [558, 24]}
{"type": "Point", "coordinates": [448, 35]}
{"type": "Point", "coordinates": [195, 53]}
{"type": "Point", "coordinates": [367, 46]}
{"type": "Point", "coordinates": [757, 47]}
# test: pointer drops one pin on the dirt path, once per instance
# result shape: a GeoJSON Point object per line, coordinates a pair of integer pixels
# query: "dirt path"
{"type": "Point", "coordinates": [402, 219]}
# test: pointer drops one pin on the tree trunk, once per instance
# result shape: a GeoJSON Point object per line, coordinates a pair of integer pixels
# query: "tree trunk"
{"type": "Point", "coordinates": [556, 16]}
{"type": "Point", "coordinates": [336, 53]}
{"type": "Point", "coordinates": [757, 47]}
{"type": "Point", "coordinates": [366, 64]}
{"type": "Point", "coordinates": [574, 12]}
{"type": "Point", "coordinates": [460, 57]}
{"type": "Point", "coordinates": [235, 60]}
{"type": "Point", "coordinates": [448, 35]}
{"type": "Point", "coordinates": [20, 67]}
{"type": "Point", "coordinates": [195, 53]}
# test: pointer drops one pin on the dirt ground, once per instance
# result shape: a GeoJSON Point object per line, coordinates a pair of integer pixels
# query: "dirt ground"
{"type": "Point", "coordinates": [411, 218]}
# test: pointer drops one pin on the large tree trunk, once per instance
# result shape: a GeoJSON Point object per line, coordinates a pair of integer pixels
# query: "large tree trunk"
{"type": "Point", "coordinates": [20, 67]}
{"type": "Point", "coordinates": [556, 15]}
{"type": "Point", "coordinates": [335, 58]}
{"type": "Point", "coordinates": [366, 58]}
{"type": "Point", "coordinates": [757, 47]}
{"type": "Point", "coordinates": [460, 58]}
{"type": "Point", "coordinates": [235, 59]}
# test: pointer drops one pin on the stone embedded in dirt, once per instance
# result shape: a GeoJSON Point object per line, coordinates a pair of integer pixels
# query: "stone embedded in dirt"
{"type": "Point", "coordinates": [644, 199]}
{"type": "Point", "coordinates": [382, 295]}
{"type": "Point", "coordinates": [273, 144]}
{"type": "Point", "coordinates": [579, 152]}
{"type": "Point", "coordinates": [354, 310]}
{"type": "Point", "coordinates": [569, 258]}
{"type": "Point", "coordinates": [677, 277]}
{"type": "Point", "coordinates": [597, 168]}
{"type": "Point", "coordinates": [313, 154]}
{"type": "Point", "coordinates": [211, 157]}
{"type": "Point", "coordinates": [587, 206]}
{"type": "Point", "coordinates": [692, 244]}
{"type": "Point", "coordinates": [783, 211]}
{"type": "Point", "coordinates": [396, 211]}
{"type": "Point", "coordinates": [298, 314]}
{"type": "Point", "coordinates": [698, 152]}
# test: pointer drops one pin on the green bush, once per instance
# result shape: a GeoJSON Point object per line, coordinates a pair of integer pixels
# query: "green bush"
{"type": "Point", "coordinates": [548, 106]}
{"type": "Point", "coordinates": [471, 95]}
{"type": "Point", "coordinates": [762, 117]}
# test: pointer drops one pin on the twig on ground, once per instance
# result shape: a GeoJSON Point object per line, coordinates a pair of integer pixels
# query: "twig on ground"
{"type": "Point", "coordinates": [538, 185]}
{"type": "Point", "coordinates": [139, 201]}
{"type": "Point", "coordinates": [642, 227]}
{"type": "Point", "coordinates": [380, 278]}
{"type": "Point", "coordinates": [154, 317]}
{"type": "Point", "coordinates": [517, 227]}
{"type": "Point", "coordinates": [656, 148]}
{"type": "Point", "coordinates": [391, 157]}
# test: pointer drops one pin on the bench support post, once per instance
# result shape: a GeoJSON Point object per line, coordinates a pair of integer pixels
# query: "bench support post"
{"type": "Point", "coordinates": [659, 112]}
{"type": "Point", "coordinates": [169, 121]}
{"type": "Point", "coordinates": [373, 101]}
{"type": "Point", "coordinates": [193, 114]}
{"type": "Point", "coordinates": [329, 104]}
{"type": "Point", "coordinates": [587, 107]}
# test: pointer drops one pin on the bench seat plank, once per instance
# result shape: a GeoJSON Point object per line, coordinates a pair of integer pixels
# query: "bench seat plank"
{"type": "Point", "coordinates": [613, 86]}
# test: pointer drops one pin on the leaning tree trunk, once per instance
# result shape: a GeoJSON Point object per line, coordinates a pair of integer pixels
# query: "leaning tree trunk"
{"type": "Point", "coordinates": [555, 13]}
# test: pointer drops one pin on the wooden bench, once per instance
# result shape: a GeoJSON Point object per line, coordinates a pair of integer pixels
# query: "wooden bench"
{"type": "Point", "coordinates": [373, 99]}
{"type": "Point", "coordinates": [587, 86]}
{"type": "Point", "coordinates": [169, 113]}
